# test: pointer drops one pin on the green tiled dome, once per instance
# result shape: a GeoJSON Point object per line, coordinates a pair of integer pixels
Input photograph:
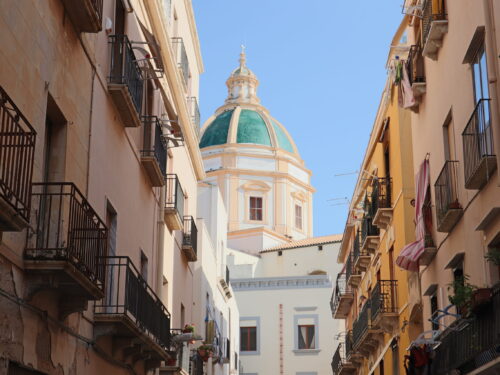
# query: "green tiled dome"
{"type": "Point", "coordinates": [252, 129]}
{"type": "Point", "coordinates": [216, 133]}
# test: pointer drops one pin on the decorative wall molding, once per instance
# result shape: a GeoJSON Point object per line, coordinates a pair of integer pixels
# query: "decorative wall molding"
{"type": "Point", "coordinates": [270, 283]}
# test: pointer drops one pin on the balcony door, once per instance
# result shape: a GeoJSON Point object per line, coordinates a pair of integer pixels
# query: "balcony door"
{"type": "Point", "coordinates": [481, 94]}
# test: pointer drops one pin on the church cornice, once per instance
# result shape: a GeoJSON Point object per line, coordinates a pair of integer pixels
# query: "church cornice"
{"type": "Point", "coordinates": [277, 283]}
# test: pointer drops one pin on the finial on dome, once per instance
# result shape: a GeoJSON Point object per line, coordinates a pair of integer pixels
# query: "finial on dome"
{"type": "Point", "coordinates": [243, 56]}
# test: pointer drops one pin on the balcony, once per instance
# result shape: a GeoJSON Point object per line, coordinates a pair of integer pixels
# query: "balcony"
{"type": "Point", "coordinates": [342, 298]}
{"type": "Point", "coordinates": [86, 15]}
{"type": "Point", "coordinates": [479, 156]}
{"type": "Point", "coordinates": [384, 305]}
{"type": "Point", "coordinates": [17, 150]}
{"type": "Point", "coordinates": [174, 203]}
{"type": "Point", "coordinates": [194, 112]}
{"type": "Point", "coordinates": [154, 152]}
{"type": "Point", "coordinates": [381, 206]}
{"type": "Point", "coordinates": [417, 71]}
{"type": "Point", "coordinates": [471, 343]}
{"type": "Point", "coordinates": [364, 335]}
{"type": "Point", "coordinates": [353, 277]}
{"type": "Point", "coordinates": [132, 315]}
{"type": "Point", "coordinates": [361, 258]}
{"type": "Point", "coordinates": [448, 208]}
{"type": "Point", "coordinates": [65, 240]}
{"type": "Point", "coordinates": [340, 364]}
{"type": "Point", "coordinates": [190, 239]}
{"type": "Point", "coordinates": [369, 236]}
{"type": "Point", "coordinates": [179, 353]}
{"type": "Point", "coordinates": [181, 58]}
{"type": "Point", "coordinates": [434, 27]}
{"type": "Point", "coordinates": [125, 81]}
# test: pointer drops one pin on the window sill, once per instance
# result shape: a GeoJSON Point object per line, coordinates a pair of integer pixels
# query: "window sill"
{"type": "Point", "coordinates": [249, 352]}
{"type": "Point", "coordinates": [306, 351]}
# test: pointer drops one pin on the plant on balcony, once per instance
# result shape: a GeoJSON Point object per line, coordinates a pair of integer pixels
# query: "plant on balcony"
{"type": "Point", "coordinates": [462, 294]}
{"type": "Point", "coordinates": [493, 256]}
{"type": "Point", "coordinates": [188, 328]}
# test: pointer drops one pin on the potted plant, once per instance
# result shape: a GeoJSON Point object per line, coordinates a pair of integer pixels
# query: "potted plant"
{"type": "Point", "coordinates": [462, 294]}
{"type": "Point", "coordinates": [188, 328]}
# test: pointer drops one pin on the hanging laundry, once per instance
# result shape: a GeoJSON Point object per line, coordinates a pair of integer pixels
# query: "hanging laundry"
{"type": "Point", "coordinates": [408, 97]}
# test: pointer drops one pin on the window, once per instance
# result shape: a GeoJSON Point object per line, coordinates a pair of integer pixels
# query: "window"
{"type": "Point", "coordinates": [306, 337]}
{"type": "Point", "coordinates": [144, 266]}
{"type": "Point", "coordinates": [248, 337]}
{"type": "Point", "coordinates": [480, 75]}
{"type": "Point", "coordinates": [256, 208]}
{"type": "Point", "coordinates": [434, 308]}
{"type": "Point", "coordinates": [298, 216]}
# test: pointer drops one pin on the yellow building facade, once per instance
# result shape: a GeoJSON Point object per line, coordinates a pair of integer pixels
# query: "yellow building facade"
{"type": "Point", "coordinates": [378, 300]}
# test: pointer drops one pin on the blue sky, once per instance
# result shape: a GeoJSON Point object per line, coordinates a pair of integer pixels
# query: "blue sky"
{"type": "Point", "coordinates": [321, 66]}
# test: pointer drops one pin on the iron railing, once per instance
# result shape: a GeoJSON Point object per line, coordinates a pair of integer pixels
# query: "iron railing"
{"type": "Point", "coordinates": [129, 295]}
{"type": "Point", "coordinates": [431, 14]}
{"type": "Point", "coordinates": [349, 345]}
{"type": "Point", "coordinates": [342, 288]}
{"type": "Point", "coordinates": [384, 298]}
{"type": "Point", "coordinates": [17, 150]}
{"type": "Point", "coordinates": [361, 325]}
{"type": "Point", "coordinates": [470, 343]}
{"type": "Point", "coordinates": [154, 142]}
{"type": "Point", "coordinates": [349, 267]}
{"type": "Point", "coordinates": [416, 64]}
{"type": "Point", "coordinates": [181, 58]}
{"type": "Point", "coordinates": [477, 138]}
{"type": "Point", "coordinates": [446, 189]}
{"type": "Point", "coordinates": [124, 69]}
{"type": "Point", "coordinates": [174, 196]}
{"type": "Point", "coordinates": [228, 278]}
{"type": "Point", "coordinates": [194, 112]}
{"type": "Point", "coordinates": [381, 194]}
{"type": "Point", "coordinates": [190, 233]}
{"type": "Point", "coordinates": [337, 361]}
{"type": "Point", "coordinates": [368, 229]}
{"type": "Point", "coordinates": [356, 248]}
{"type": "Point", "coordinates": [66, 227]}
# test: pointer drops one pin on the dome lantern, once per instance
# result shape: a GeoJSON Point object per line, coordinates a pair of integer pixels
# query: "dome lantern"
{"type": "Point", "coordinates": [242, 83]}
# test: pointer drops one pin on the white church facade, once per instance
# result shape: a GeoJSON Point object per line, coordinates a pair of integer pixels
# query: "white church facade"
{"type": "Point", "coordinates": [281, 275]}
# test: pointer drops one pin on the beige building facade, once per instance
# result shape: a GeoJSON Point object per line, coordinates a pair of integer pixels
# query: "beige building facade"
{"type": "Point", "coordinates": [99, 164]}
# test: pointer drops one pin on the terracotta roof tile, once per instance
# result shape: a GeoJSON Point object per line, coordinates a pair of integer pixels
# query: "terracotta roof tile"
{"type": "Point", "coordinates": [305, 242]}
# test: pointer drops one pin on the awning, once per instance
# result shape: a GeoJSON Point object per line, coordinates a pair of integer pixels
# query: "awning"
{"type": "Point", "coordinates": [409, 256]}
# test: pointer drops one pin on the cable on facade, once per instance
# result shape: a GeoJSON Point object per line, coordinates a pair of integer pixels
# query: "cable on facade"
{"type": "Point", "coordinates": [43, 314]}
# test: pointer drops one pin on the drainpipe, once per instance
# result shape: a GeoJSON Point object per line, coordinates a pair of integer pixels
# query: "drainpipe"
{"type": "Point", "coordinates": [492, 56]}
{"type": "Point", "coordinates": [91, 113]}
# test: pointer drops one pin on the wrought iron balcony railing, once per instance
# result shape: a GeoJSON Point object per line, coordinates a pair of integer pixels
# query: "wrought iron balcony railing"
{"type": "Point", "coordinates": [448, 207]}
{"type": "Point", "coordinates": [337, 361]}
{"type": "Point", "coordinates": [130, 300]}
{"type": "Point", "coordinates": [381, 195]}
{"type": "Point", "coordinates": [17, 150]}
{"type": "Point", "coordinates": [361, 324]}
{"type": "Point", "coordinates": [190, 239]}
{"type": "Point", "coordinates": [125, 70]}
{"type": "Point", "coordinates": [479, 154]}
{"type": "Point", "coordinates": [181, 58]}
{"type": "Point", "coordinates": [342, 291]}
{"type": "Point", "coordinates": [66, 228]}
{"type": "Point", "coordinates": [154, 152]}
{"type": "Point", "coordinates": [174, 202]}
{"type": "Point", "coordinates": [349, 267]}
{"type": "Point", "coordinates": [349, 345]}
{"type": "Point", "coordinates": [368, 229]}
{"type": "Point", "coordinates": [470, 343]}
{"type": "Point", "coordinates": [434, 10]}
{"type": "Point", "coordinates": [384, 298]}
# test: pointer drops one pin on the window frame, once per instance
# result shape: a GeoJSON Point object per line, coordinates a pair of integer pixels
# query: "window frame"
{"type": "Point", "coordinates": [248, 347]}
{"type": "Point", "coordinates": [256, 209]}
{"type": "Point", "coordinates": [306, 339]}
{"type": "Point", "coordinates": [299, 219]}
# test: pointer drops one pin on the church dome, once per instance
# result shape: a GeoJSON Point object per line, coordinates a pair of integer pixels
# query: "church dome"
{"type": "Point", "coordinates": [254, 126]}
{"type": "Point", "coordinates": [242, 119]}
